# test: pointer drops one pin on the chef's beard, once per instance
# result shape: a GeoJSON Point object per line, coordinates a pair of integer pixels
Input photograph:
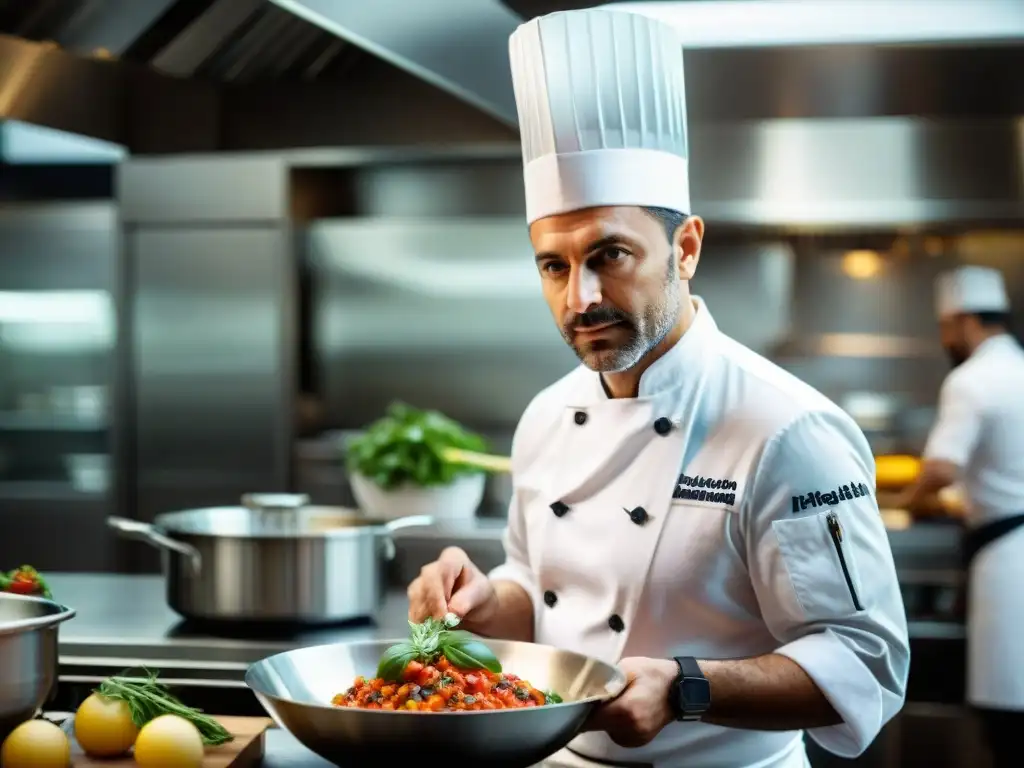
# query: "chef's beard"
{"type": "Point", "coordinates": [644, 331]}
{"type": "Point", "coordinates": [957, 357]}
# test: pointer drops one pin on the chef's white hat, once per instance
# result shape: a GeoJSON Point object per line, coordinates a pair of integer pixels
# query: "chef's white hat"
{"type": "Point", "coordinates": [602, 112]}
{"type": "Point", "coordinates": [970, 289]}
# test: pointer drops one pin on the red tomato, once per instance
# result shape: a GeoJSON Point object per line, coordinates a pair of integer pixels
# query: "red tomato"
{"type": "Point", "coordinates": [412, 670]}
{"type": "Point", "coordinates": [22, 587]}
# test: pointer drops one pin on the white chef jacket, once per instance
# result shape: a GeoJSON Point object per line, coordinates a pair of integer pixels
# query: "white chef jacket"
{"type": "Point", "coordinates": [695, 520]}
{"type": "Point", "coordinates": [980, 429]}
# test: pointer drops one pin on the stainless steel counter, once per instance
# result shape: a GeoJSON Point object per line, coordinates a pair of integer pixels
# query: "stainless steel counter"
{"type": "Point", "coordinates": [123, 621]}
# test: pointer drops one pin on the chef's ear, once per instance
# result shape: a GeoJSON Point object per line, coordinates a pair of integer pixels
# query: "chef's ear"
{"type": "Point", "coordinates": [686, 246]}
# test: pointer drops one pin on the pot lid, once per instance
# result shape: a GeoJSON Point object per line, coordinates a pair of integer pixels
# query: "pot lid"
{"type": "Point", "coordinates": [279, 515]}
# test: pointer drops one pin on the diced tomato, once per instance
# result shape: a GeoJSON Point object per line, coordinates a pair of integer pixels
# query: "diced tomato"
{"type": "Point", "coordinates": [428, 676]}
{"type": "Point", "coordinates": [412, 670]}
{"type": "Point", "coordinates": [475, 684]}
{"type": "Point", "coordinates": [23, 587]}
{"type": "Point", "coordinates": [424, 690]}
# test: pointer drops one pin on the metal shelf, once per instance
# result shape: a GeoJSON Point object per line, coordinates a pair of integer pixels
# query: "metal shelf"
{"type": "Point", "coordinates": [41, 422]}
{"type": "Point", "coordinates": [26, 490]}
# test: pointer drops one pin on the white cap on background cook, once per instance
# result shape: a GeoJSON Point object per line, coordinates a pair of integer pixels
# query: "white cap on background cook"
{"type": "Point", "coordinates": [602, 112]}
{"type": "Point", "coordinates": [970, 289]}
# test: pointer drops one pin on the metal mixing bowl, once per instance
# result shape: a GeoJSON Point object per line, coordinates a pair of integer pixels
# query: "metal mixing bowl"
{"type": "Point", "coordinates": [28, 656]}
{"type": "Point", "coordinates": [296, 688]}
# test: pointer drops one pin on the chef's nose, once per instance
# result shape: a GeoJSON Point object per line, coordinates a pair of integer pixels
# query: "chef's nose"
{"type": "Point", "coordinates": [584, 290]}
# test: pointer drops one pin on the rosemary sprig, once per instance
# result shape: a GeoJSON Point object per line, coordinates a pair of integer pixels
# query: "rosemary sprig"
{"type": "Point", "coordinates": [148, 698]}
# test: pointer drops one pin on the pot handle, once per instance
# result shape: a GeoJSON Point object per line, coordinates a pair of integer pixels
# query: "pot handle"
{"type": "Point", "coordinates": [133, 529]}
{"type": "Point", "coordinates": [413, 521]}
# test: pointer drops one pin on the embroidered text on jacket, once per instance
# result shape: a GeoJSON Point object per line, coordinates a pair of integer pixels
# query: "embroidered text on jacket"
{"type": "Point", "coordinates": [708, 489]}
{"type": "Point", "coordinates": [829, 498]}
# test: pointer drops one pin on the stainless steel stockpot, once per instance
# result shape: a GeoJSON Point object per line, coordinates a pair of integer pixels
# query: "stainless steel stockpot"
{"type": "Point", "coordinates": [273, 559]}
{"type": "Point", "coordinates": [28, 656]}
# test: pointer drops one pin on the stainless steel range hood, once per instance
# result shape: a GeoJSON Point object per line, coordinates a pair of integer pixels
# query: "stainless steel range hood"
{"type": "Point", "coordinates": [857, 134]}
{"type": "Point", "coordinates": [163, 76]}
{"type": "Point", "coordinates": [46, 86]}
{"type": "Point", "coordinates": [753, 59]}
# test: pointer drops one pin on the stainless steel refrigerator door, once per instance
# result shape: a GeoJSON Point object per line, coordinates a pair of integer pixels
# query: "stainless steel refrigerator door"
{"type": "Point", "coordinates": [211, 359]}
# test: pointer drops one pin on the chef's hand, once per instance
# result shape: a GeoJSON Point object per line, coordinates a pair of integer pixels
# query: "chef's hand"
{"type": "Point", "coordinates": [639, 713]}
{"type": "Point", "coordinates": [452, 584]}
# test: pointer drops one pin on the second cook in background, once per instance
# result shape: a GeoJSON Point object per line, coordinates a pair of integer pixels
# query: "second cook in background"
{"type": "Point", "coordinates": [978, 438]}
{"type": "Point", "coordinates": [681, 506]}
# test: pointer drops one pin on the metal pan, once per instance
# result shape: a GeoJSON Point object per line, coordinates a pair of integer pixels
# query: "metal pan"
{"type": "Point", "coordinates": [296, 688]}
{"type": "Point", "coordinates": [274, 559]}
{"type": "Point", "coordinates": [28, 656]}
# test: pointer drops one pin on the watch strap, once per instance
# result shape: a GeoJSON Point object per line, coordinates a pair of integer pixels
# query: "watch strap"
{"type": "Point", "coordinates": [691, 694]}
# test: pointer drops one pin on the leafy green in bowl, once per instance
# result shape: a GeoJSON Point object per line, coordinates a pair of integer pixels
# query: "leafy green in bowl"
{"type": "Point", "coordinates": [405, 448]}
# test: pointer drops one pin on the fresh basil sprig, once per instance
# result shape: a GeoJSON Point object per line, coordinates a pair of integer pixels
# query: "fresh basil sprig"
{"type": "Point", "coordinates": [432, 639]}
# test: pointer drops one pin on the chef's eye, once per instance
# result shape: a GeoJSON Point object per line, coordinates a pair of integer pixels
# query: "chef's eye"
{"type": "Point", "coordinates": [608, 257]}
{"type": "Point", "coordinates": [552, 268]}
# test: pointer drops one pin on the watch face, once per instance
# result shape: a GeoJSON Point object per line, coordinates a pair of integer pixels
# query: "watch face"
{"type": "Point", "coordinates": [695, 693]}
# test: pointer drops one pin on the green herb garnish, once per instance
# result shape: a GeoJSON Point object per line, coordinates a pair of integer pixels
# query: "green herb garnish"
{"type": "Point", "coordinates": [432, 639]}
{"type": "Point", "coordinates": [550, 697]}
{"type": "Point", "coordinates": [148, 699]}
{"type": "Point", "coordinates": [406, 447]}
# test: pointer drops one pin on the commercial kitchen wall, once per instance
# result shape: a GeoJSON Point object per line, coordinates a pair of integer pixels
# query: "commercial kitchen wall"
{"type": "Point", "coordinates": [429, 294]}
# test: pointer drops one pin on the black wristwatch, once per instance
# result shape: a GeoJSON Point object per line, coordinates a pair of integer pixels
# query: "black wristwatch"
{"type": "Point", "coordinates": [690, 694]}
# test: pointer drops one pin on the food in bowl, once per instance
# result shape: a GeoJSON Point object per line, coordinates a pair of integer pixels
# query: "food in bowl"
{"type": "Point", "coordinates": [407, 448]}
{"type": "Point", "coordinates": [441, 669]}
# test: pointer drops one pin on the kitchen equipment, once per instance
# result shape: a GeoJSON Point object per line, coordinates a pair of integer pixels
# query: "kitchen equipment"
{"type": "Point", "coordinates": [28, 656]}
{"type": "Point", "coordinates": [89, 472]}
{"type": "Point", "coordinates": [458, 500]}
{"type": "Point", "coordinates": [246, 751]}
{"type": "Point", "coordinates": [296, 689]}
{"type": "Point", "coordinates": [273, 559]}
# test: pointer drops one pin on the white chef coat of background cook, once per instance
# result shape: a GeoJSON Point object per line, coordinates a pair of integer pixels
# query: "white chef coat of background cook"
{"type": "Point", "coordinates": [719, 578]}
{"type": "Point", "coordinates": [980, 428]}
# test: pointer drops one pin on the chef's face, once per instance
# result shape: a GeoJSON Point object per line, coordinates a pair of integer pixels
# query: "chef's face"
{"type": "Point", "coordinates": [954, 334]}
{"type": "Point", "coordinates": [614, 280]}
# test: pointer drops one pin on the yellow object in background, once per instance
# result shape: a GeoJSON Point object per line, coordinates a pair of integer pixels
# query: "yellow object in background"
{"type": "Point", "coordinates": [483, 461]}
{"type": "Point", "coordinates": [896, 471]}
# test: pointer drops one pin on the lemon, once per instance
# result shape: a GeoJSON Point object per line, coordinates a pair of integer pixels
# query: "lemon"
{"type": "Point", "coordinates": [36, 744]}
{"type": "Point", "coordinates": [169, 741]}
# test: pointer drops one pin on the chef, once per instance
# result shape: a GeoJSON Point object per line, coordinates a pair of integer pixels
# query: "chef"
{"type": "Point", "coordinates": [978, 440]}
{"type": "Point", "coordinates": [682, 507]}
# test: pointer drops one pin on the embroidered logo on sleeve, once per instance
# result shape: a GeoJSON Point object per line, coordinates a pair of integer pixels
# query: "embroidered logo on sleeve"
{"type": "Point", "coordinates": [707, 489]}
{"type": "Point", "coordinates": [830, 498]}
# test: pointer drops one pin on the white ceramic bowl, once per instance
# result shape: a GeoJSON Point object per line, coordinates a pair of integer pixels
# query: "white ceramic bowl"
{"type": "Point", "coordinates": [456, 501]}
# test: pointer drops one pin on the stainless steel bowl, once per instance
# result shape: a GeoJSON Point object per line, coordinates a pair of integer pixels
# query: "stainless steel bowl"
{"type": "Point", "coordinates": [28, 656]}
{"type": "Point", "coordinates": [296, 688]}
